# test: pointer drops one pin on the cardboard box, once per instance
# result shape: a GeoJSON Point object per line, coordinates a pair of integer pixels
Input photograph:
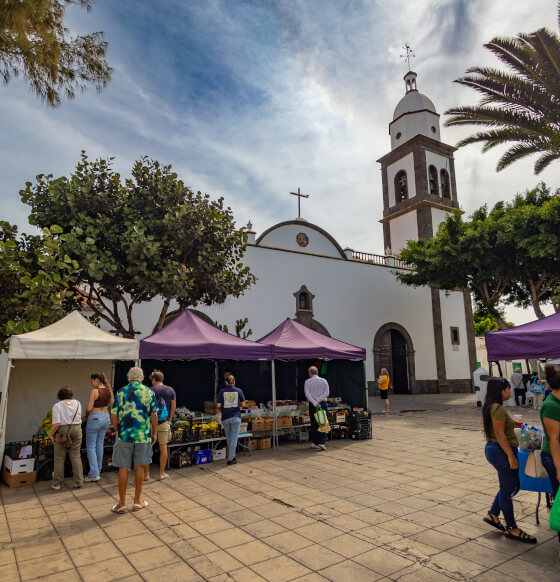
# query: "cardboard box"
{"type": "Point", "coordinates": [340, 417]}
{"type": "Point", "coordinates": [257, 425]}
{"type": "Point", "coordinates": [253, 445]}
{"type": "Point", "coordinates": [19, 480]}
{"type": "Point", "coordinates": [219, 454]}
{"type": "Point", "coordinates": [268, 423]}
{"type": "Point", "coordinates": [17, 466]}
{"type": "Point", "coordinates": [264, 443]}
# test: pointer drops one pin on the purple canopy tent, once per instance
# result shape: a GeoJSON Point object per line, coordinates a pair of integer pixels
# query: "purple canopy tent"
{"type": "Point", "coordinates": [188, 337]}
{"type": "Point", "coordinates": [292, 340]}
{"type": "Point", "coordinates": [538, 339]}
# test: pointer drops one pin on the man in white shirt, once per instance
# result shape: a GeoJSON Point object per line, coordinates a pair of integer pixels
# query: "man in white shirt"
{"type": "Point", "coordinates": [518, 386]}
{"type": "Point", "coordinates": [316, 392]}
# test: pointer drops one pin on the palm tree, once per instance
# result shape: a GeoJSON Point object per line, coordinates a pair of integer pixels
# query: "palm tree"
{"type": "Point", "coordinates": [519, 107]}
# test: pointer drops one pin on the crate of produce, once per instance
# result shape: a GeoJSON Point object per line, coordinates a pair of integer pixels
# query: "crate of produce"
{"type": "Point", "coordinates": [257, 424]}
{"type": "Point", "coordinates": [17, 466]}
{"type": "Point", "coordinates": [254, 445]}
{"type": "Point", "coordinates": [268, 423]}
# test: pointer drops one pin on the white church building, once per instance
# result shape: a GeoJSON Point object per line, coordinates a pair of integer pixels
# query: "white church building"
{"type": "Point", "coordinates": [423, 336]}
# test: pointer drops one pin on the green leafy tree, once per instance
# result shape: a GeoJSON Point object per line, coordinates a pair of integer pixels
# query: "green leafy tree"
{"type": "Point", "coordinates": [484, 321]}
{"type": "Point", "coordinates": [463, 254]}
{"type": "Point", "coordinates": [35, 44]}
{"type": "Point", "coordinates": [37, 280]}
{"type": "Point", "coordinates": [519, 107]}
{"type": "Point", "coordinates": [148, 236]}
{"type": "Point", "coordinates": [240, 326]}
{"type": "Point", "coordinates": [509, 255]}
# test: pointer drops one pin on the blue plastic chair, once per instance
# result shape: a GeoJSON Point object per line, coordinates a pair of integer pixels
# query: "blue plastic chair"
{"type": "Point", "coordinates": [533, 484]}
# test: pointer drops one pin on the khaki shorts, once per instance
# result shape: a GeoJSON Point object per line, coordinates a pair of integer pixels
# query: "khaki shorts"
{"type": "Point", "coordinates": [164, 432]}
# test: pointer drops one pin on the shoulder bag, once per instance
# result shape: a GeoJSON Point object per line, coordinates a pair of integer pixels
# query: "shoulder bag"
{"type": "Point", "coordinates": [65, 438]}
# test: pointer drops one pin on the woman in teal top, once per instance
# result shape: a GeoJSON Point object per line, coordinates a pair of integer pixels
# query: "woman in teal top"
{"type": "Point", "coordinates": [550, 416]}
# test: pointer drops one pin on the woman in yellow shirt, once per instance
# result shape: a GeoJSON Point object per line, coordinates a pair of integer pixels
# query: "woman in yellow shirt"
{"type": "Point", "coordinates": [383, 383]}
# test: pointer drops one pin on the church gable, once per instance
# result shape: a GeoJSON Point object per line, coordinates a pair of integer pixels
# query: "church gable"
{"type": "Point", "coordinates": [302, 237]}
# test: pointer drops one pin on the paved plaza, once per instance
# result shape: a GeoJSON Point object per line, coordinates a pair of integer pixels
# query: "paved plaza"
{"type": "Point", "coordinates": [405, 506]}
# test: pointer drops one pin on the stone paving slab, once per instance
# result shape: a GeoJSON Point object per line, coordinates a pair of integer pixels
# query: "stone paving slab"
{"type": "Point", "coordinates": [405, 506]}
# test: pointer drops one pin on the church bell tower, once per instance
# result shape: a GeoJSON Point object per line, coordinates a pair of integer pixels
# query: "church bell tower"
{"type": "Point", "coordinates": [418, 173]}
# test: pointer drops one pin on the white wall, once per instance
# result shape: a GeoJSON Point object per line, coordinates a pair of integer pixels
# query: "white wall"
{"type": "Point", "coordinates": [403, 228]}
{"type": "Point", "coordinates": [412, 124]}
{"type": "Point", "coordinates": [438, 216]}
{"type": "Point", "coordinates": [407, 164]}
{"type": "Point", "coordinates": [352, 300]}
{"type": "Point", "coordinates": [285, 238]}
{"type": "Point", "coordinates": [453, 315]}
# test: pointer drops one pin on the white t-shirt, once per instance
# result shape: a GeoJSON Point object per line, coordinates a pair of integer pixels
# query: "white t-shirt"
{"type": "Point", "coordinates": [63, 412]}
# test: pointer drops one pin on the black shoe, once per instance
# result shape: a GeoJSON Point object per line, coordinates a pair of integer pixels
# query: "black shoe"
{"type": "Point", "coordinates": [232, 462]}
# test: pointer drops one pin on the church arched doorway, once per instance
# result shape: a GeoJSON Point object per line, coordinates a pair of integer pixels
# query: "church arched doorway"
{"type": "Point", "coordinates": [393, 349]}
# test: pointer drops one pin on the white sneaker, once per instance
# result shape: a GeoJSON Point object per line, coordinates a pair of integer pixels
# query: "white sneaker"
{"type": "Point", "coordinates": [323, 447]}
{"type": "Point", "coordinates": [316, 447]}
{"type": "Point", "coordinates": [91, 479]}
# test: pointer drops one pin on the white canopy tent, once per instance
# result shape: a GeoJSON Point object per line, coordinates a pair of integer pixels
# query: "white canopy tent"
{"type": "Point", "coordinates": [41, 362]}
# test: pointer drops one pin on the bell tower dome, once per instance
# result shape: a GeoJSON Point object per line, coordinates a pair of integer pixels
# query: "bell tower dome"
{"type": "Point", "coordinates": [418, 173]}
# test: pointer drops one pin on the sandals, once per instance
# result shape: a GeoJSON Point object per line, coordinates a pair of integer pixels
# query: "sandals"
{"type": "Point", "coordinates": [520, 537]}
{"type": "Point", "coordinates": [497, 524]}
{"type": "Point", "coordinates": [139, 506]}
{"type": "Point", "coordinates": [121, 510]}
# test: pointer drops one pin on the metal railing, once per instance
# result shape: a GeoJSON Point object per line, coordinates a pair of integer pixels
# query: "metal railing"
{"type": "Point", "coordinates": [382, 260]}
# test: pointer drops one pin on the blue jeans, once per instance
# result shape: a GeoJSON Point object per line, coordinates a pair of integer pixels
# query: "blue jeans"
{"type": "Point", "coordinates": [231, 428]}
{"type": "Point", "coordinates": [97, 425]}
{"type": "Point", "coordinates": [509, 481]}
{"type": "Point", "coordinates": [548, 464]}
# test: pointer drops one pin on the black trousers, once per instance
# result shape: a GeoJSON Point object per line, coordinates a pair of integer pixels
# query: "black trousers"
{"type": "Point", "coordinates": [318, 438]}
{"type": "Point", "coordinates": [519, 392]}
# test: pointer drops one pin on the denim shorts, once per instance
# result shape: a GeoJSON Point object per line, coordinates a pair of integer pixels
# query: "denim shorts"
{"type": "Point", "coordinates": [124, 452]}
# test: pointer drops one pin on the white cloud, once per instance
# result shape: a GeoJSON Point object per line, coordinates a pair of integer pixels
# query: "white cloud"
{"type": "Point", "coordinates": [250, 101]}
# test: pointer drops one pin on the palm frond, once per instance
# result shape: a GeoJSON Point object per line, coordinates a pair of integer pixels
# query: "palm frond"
{"type": "Point", "coordinates": [515, 153]}
{"type": "Point", "coordinates": [545, 160]}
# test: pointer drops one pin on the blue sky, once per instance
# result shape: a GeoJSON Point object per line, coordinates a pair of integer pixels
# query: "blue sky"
{"type": "Point", "coordinates": [251, 99]}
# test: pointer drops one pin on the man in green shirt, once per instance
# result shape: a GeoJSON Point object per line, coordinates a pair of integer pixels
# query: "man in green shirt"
{"type": "Point", "coordinates": [134, 417]}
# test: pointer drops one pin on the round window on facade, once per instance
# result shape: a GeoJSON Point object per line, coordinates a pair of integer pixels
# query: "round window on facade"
{"type": "Point", "coordinates": [433, 129]}
{"type": "Point", "coordinates": [398, 136]}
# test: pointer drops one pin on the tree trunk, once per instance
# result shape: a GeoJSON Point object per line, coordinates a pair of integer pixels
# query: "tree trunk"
{"type": "Point", "coordinates": [537, 309]}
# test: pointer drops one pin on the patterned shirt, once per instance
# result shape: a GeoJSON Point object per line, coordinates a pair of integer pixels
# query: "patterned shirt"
{"type": "Point", "coordinates": [133, 407]}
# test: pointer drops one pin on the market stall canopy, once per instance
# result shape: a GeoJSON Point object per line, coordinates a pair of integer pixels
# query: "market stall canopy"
{"type": "Point", "coordinates": [538, 339]}
{"type": "Point", "coordinates": [292, 340]}
{"type": "Point", "coordinates": [188, 337]}
{"type": "Point", "coordinates": [72, 338]}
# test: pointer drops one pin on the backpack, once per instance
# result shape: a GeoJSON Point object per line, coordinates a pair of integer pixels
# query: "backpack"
{"type": "Point", "coordinates": [161, 410]}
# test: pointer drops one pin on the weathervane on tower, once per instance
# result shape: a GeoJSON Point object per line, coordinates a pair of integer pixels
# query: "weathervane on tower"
{"type": "Point", "coordinates": [409, 55]}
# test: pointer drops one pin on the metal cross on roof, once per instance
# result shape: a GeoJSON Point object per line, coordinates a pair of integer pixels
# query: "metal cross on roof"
{"type": "Point", "coordinates": [409, 55]}
{"type": "Point", "coordinates": [300, 196]}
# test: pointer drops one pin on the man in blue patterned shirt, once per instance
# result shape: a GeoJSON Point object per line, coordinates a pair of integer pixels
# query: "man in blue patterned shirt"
{"type": "Point", "coordinates": [134, 418]}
